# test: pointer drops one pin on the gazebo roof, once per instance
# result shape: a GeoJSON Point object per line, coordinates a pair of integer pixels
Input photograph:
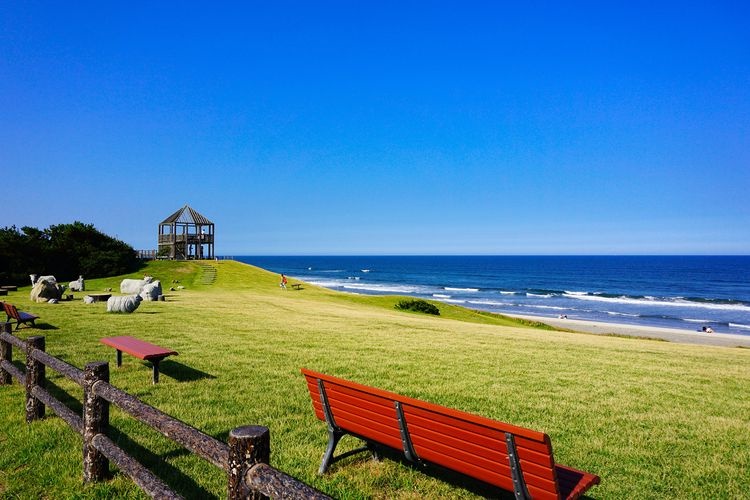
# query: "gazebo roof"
{"type": "Point", "coordinates": [186, 215]}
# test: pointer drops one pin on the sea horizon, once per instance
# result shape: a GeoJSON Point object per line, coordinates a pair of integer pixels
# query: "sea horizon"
{"type": "Point", "coordinates": [684, 292]}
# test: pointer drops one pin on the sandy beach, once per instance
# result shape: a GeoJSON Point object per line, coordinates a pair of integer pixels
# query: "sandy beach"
{"type": "Point", "coordinates": [669, 334]}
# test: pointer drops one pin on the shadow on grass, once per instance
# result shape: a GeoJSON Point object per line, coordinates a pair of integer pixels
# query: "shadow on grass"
{"type": "Point", "coordinates": [29, 328]}
{"type": "Point", "coordinates": [171, 475]}
{"type": "Point", "coordinates": [182, 373]}
{"type": "Point", "coordinates": [435, 471]}
{"type": "Point", "coordinates": [64, 397]}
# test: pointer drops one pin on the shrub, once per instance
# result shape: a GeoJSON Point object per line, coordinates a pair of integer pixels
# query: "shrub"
{"type": "Point", "coordinates": [418, 305]}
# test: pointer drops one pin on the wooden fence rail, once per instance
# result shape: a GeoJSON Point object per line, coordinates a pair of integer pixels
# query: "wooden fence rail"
{"type": "Point", "coordinates": [244, 459]}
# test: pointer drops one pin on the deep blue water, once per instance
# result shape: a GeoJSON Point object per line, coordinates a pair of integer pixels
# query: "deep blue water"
{"type": "Point", "coordinates": [685, 292]}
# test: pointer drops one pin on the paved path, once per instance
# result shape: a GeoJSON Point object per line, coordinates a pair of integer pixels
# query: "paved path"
{"type": "Point", "coordinates": [670, 334]}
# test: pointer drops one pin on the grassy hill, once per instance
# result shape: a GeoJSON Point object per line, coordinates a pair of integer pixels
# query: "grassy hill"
{"type": "Point", "coordinates": [653, 419]}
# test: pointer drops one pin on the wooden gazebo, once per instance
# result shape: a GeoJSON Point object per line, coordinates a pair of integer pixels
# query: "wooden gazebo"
{"type": "Point", "coordinates": [186, 235]}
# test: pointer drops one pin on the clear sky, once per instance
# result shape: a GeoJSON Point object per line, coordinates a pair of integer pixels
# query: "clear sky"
{"type": "Point", "coordinates": [383, 127]}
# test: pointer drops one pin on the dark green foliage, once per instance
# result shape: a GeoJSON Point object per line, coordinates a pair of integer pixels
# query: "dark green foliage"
{"type": "Point", "coordinates": [418, 305]}
{"type": "Point", "coordinates": [64, 250]}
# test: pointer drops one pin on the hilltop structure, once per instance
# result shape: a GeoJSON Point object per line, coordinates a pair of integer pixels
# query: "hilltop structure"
{"type": "Point", "coordinates": [186, 235]}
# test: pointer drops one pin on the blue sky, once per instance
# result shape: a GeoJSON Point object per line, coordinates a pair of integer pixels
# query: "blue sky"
{"type": "Point", "coordinates": [384, 127]}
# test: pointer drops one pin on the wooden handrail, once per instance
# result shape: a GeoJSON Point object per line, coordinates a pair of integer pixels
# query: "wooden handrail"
{"type": "Point", "coordinates": [140, 475]}
{"type": "Point", "coordinates": [191, 438]}
{"type": "Point", "coordinates": [15, 372]}
{"type": "Point", "coordinates": [275, 484]}
{"type": "Point", "coordinates": [72, 418]}
{"type": "Point", "coordinates": [70, 371]}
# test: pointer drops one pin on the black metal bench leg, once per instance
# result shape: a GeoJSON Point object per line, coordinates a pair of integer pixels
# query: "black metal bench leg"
{"type": "Point", "coordinates": [155, 362]}
{"type": "Point", "coordinates": [119, 358]}
{"type": "Point", "coordinates": [334, 436]}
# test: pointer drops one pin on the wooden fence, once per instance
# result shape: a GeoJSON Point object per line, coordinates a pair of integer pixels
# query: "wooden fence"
{"type": "Point", "coordinates": [146, 254]}
{"type": "Point", "coordinates": [244, 458]}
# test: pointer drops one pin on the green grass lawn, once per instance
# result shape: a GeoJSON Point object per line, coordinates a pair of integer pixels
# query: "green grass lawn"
{"type": "Point", "coordinates": [653, 419]}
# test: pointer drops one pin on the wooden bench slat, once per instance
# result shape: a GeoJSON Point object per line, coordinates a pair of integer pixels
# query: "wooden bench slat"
{"type": "Point", "coordinates": [537, 452]}
{"type": "Point", "coordinates": [493, 429]}
{"type": "Point", "coordinates": [345, 414]}
{"type": "Point", "coordinates": [367, 432]}
{"type": "Point", "coordinates": [444, 454]}
{"type": "Point", "coordinates": [498, 456]}
{"type": "Point", "coordinates": [350, 406]}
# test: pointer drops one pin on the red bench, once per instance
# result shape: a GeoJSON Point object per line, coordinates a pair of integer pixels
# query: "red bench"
{"type": "Point", "coordinates": [503, 455]}
{"type": "Point", "coordinates": [140, 349]}
{"type": "Point", "coordinates": [21, 317]}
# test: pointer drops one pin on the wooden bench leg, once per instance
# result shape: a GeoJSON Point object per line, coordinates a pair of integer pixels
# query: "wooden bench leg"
{"type": "Point", "coordinates": [119, 358]}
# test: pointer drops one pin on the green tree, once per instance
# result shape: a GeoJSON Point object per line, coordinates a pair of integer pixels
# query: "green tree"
{"type": "Point", "coordinates": [65, 250]}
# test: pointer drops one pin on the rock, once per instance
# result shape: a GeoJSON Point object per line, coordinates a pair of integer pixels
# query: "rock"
{"type": "Point", "coordinates": [46, 288]}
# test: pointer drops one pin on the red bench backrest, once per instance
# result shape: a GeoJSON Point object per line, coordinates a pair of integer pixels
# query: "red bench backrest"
{"type": "Point", "coordinates": [11, 311]}
{"type": "Point", "coordinates": [470, 444]}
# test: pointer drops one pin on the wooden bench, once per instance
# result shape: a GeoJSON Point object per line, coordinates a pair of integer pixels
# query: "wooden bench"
{"type": "Point", "coordinates": [297, 286]}
{"type": "Point", "coordinates": [503, 455]}
{"type": "Point", "coordinates": [21, 317]}
{"type": "Point", "coordinates": [140, 349]}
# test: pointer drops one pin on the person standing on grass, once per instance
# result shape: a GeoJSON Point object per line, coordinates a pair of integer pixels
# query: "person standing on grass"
{"type": "Point", "coordinates": [283, 281]}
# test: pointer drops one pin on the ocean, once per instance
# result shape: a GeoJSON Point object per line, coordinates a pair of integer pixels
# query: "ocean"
{"type": "Point", "coordinates": [685, 292]}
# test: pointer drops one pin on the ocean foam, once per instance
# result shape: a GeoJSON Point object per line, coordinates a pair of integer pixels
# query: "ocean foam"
{"type": "Point", "coordinates": [453, 301]}
{"type": "Point", "coordinates": [613, 313]}
{"type": "Point", "coordinates": [538, 296]}
{"type": "Point", "coordinates": [488, 303]}
{"type": "Point", "coordinates": [503, 292]}
{"type": "Point", "coordinates": [382, 288]}
{"type": "Point", "coordinates": [554, 308]}
{"type": "Point", "coordinates": [441, 296]}
{"type": "Point", "coordinates": [738, 325]}
{"type": "Point", "coordinates": [652, 301]}
{"type": "Point", "coordinates": [453, 289]}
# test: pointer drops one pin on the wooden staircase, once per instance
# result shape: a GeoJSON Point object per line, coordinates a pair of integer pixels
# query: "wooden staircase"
{"type": "Point", "coordinates": [207, 275]}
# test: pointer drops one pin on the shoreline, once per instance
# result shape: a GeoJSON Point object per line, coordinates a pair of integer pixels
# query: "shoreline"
{"type": "Point", "coordinates": [668, 334]}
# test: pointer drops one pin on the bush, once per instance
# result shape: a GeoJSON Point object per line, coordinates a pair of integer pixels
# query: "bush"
{"type": "Point", "coordinates": [418, 305]}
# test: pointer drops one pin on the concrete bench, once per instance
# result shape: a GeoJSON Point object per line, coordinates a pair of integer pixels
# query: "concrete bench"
{"type": "Point", "coordinates": [140, 349]}
{"type": "Point", "coordinates": [502, 455]}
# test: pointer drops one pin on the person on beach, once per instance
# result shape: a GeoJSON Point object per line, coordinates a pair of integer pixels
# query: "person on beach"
{"type": "Point", "coordinates": [283, 282]}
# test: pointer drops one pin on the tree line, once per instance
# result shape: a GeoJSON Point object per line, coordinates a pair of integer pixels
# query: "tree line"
{"type": "Point", "coordinates": [65, 251]}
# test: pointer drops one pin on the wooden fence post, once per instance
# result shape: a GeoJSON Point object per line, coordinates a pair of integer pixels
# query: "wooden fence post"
{"type": "Point", "coordinates": [95, 421]}
{"type": "Point", "coordinates": [34, 377]}
{"type": "Point", "coordinates": [6, 353]}
{"type": "Point", "coordinates": [248, 446]}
